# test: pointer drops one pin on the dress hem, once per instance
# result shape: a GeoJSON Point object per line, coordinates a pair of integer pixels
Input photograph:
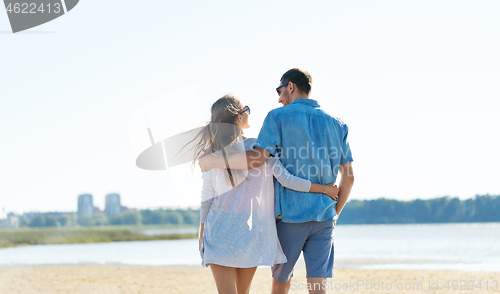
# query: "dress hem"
{"type": "Point", "coordinates": [206, 264]}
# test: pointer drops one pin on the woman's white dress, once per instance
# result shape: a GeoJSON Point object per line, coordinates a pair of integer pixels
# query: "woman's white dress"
{"type": "Point", "coordinates": [240, 225]}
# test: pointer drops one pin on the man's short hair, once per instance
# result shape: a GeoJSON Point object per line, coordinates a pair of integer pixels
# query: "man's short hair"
{"type": "Point", "coordinates": [299, 77]}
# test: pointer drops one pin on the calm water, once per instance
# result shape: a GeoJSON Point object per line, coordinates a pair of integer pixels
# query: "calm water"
{"type": "Point", "coordinates": [472, 247]}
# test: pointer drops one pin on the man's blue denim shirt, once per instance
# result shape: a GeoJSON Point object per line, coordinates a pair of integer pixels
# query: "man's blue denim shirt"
{"type": "Point", "coordinates": [311, 144]}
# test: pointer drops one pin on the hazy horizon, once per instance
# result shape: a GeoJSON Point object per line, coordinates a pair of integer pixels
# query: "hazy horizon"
{"type": "Point", "coordinates": [196, 207]}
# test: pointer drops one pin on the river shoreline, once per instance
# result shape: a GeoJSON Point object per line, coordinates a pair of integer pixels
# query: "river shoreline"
{"type": "Point", "coordinates": [86, 235]}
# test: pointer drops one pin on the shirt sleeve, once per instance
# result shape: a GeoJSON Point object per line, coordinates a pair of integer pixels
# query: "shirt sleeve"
{"type": "Point", "coordinates": [270, 135]}
{"type": "Point", "coordinates": [285, 178]}
{"type": "Point", "coordinates": [207, 196]}
{"type": "Point", "coordinates": [346, 155]}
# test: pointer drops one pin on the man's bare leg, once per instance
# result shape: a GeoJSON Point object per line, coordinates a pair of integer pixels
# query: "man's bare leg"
{"type": "Point", "coordinates": [316, 285]}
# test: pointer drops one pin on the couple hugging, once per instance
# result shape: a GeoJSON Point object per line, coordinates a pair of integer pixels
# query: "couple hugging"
{"type": "Point", "coordinates": [266, 200]}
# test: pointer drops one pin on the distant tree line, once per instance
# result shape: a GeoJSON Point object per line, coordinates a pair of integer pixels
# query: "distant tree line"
{"type": "Point", "coordinates": [142, 217]}
{"type": "Point", "coordinates": [51, 219]}
{"type": "Point", "coordinates": [483, 208]}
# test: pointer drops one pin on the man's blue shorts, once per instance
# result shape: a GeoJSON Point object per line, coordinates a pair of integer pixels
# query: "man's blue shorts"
{"type": "Point", "coordinates": [315, 239]}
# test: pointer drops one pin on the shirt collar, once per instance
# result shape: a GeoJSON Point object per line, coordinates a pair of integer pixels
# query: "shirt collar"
{"type": "Point", "coordinates": [306, 101]}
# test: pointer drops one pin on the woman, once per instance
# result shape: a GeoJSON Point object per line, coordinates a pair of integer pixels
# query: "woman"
{"type": "Point", "coordinates": [237, 222]}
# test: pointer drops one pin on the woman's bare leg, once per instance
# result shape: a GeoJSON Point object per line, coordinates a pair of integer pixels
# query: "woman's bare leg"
{"type": "Point", "coordinates": [244, 278]}
{"type": "Point", "coordinates": [225, 278]}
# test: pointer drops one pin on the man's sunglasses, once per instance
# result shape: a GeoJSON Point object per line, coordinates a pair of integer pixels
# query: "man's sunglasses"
{"type": "Point", "coordinates": [278, 89]}
{"type": "Point", "coordinates": [245, 109]}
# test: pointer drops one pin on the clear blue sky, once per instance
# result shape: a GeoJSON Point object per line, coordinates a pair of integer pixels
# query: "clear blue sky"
{"type": "Point", "coordinates": [416, 81]}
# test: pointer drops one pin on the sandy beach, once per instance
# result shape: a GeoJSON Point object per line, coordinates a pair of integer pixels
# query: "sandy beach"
{"type": "Point", "coordinates": [110, 279]}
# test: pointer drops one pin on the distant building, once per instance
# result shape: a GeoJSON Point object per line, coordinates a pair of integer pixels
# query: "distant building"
{"type": "Point", "coordinates": [13, 222]}
{"type": "Point", "coordinates": [10, 222]}
{"type": "Point", "coordinates": [26, 217]}
{"type": "Point", "coordinates": [113, 205]}
{"type": "Point", "coordinates": [29, 215]}
{"type": "Point", "coordinates": [85, 206]}
{"type": "Point", "coordinates": [126, 209]}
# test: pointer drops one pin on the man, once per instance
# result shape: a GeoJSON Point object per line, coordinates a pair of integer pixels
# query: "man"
{"type": "Point", "coordinates": [313, 145]}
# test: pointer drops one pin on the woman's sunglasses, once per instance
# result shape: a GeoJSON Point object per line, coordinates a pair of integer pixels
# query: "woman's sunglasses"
{"type": "Point", "coordinates": [245, 109]}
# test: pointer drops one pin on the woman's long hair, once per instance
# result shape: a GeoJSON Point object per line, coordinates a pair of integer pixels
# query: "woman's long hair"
{"type": "Point", "coordinates": [220, 134]}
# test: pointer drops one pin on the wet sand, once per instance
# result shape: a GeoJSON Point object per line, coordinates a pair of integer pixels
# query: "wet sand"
{"type": "Point", "coordinates": [111, 279]}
